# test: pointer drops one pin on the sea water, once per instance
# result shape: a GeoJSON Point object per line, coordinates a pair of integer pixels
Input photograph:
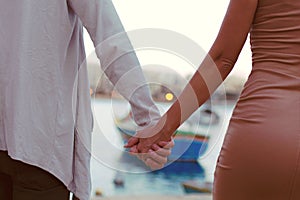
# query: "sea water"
{"type": "Point", "coordinates": [110, 162]}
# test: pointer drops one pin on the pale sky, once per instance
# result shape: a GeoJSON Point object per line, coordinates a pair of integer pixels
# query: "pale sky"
{"type": "Point", "coordinates": [198, 20]}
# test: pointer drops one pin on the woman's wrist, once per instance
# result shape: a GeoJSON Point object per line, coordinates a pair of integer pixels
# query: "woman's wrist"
{"type": "Point", "coordinates": [169, 126]}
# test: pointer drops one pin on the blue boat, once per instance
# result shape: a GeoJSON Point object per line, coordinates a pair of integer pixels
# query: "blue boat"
{"type": "Point", "coordinates": [190, 142]}
{"type": "Point", "coordinates": [184, 169]}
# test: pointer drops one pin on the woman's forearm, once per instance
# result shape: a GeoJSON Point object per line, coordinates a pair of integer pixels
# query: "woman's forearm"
{"type": "Point", "coordinates": [211, 73]}
{"type": "Point", "coordinates": [216, 66]}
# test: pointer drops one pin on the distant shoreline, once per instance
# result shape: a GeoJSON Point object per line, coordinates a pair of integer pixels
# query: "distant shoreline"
{"type": "Point", "coordinates": [229, 99]}
{"type": "Point", "coordinates": [160, 197]}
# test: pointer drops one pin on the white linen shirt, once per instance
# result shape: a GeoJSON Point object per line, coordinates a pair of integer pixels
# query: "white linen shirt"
{"type": "Point", "coordinates": [45, 109]}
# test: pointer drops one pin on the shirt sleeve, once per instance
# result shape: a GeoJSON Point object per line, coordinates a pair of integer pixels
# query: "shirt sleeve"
{"type": "Point", "coordinates": [117, 57]}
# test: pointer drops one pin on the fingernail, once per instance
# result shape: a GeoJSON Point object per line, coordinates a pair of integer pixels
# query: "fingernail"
{"type": "Point", "coordinates": [155, 147]}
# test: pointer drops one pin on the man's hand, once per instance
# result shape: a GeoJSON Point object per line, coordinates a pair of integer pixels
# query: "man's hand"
{"type": "Point", "coordinates": [156, 157]}
{"type": "Point", "coordinates": [147, 137]}
{"type": "Point", "coordinates": [152, 145]}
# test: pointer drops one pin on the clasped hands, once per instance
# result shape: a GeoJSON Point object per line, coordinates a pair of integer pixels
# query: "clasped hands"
{"type": "Point", "coordinates": [152, 146]}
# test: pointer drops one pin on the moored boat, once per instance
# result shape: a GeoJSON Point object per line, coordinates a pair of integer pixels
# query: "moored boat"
{"type": "Point", "coordinates": [197, 187]}
{"type": "Point", "coordinates": [191, 141]}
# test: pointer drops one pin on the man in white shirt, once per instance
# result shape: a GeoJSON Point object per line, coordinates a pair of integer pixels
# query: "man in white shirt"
{"type": "Point", "coordinates": [45, 110]}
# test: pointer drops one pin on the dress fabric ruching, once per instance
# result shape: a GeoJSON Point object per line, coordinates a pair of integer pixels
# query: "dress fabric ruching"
{"type": "Point", "coordinates": [260, 156]}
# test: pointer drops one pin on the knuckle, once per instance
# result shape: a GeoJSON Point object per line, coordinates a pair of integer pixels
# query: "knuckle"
{"type": "Point", "coordinates": [165, 160]}
{"type": "Point", "coordinates": [169, 153]}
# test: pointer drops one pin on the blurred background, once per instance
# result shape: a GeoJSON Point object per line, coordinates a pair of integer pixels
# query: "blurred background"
{"type": "Point", "coordinates": [199, 140]}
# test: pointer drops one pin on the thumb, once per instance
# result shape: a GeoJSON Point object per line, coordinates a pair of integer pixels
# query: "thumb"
{"type": "Point", "coordinates": [143, 148]}
{"type": "Point", "coordinates": [131, 142]}
{"type": "Point", "coordinates": [133, 150]}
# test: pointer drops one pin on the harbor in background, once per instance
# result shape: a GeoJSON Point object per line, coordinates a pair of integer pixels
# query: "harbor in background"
{"type": "Point", "coordinates": [110, 161]}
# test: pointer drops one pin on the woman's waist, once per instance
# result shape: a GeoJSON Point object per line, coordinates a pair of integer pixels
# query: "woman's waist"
{"type": "Point", "coordinates": [277, 63]}
{"type": "Point", "coordinates": [274, 70]}
{"type": "Point", "coordinates": [272, 82]}
{"type": "Point", "coordinates": [269, 97]}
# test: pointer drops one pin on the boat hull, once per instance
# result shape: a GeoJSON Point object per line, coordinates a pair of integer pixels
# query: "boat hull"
{"type": "Point", "coordinates": [197, 187]}
{"type": "Point", "coordinates": [188, 147]}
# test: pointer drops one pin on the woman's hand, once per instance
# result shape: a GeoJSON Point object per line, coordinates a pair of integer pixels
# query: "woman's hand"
{"type": "Point", "coordinates": [145, 139]}
{"type": "Point", "coordinates": [157, 156]}
{"type": "Point", "coordinates": [151, 146]}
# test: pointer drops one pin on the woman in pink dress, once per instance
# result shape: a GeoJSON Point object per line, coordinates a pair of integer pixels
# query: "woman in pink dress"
{"type": "Point", "coordinates": [260, 156]}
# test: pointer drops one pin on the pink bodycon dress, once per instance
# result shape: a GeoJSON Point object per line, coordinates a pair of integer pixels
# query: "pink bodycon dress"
{"type": "Point", "coordinates": [260, 157]}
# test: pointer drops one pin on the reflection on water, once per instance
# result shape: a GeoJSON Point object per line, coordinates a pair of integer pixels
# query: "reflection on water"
{"type": "Point", "coordinates": [109, 160]}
